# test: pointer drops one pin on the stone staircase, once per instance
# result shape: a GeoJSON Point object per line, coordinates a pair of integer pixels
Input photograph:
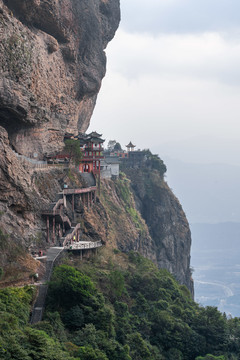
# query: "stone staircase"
{"type": "Point", "coordinates": [39, 305]}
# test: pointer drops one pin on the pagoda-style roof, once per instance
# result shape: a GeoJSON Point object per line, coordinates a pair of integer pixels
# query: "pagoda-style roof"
{"type": "Point", "coordinates": [93, 137]}
{"type": "Point", "coordinates": [130, 145]}
{"type": "Point", "coordinates": [82, 136]}
{"type": "Point", "coordinates": [95, 134]}
{"type": "Point", "coordinates": [94, 140]}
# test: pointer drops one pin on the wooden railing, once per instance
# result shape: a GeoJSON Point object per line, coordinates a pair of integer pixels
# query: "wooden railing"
{"type": "Point", "coordinates": [70, 236]}
{"type": "Point", "coordinates": [79, 191]}
{"type": "Point", "coordinates": [83, 245]}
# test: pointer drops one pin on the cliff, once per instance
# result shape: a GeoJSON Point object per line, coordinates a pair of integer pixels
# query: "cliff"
{"type": "Point", "coordinates": [52, 63]}
{"type": "Point", "coordinates": [51, 66]}
{"type": "Point", "coordinates": [166, 221]}
{"type": "Point", "coordinates": [139, 212]}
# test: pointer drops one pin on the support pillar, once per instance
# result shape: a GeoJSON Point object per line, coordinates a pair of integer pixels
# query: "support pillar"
{"type": "Point", "coordinates": [53, 235]}
{"type": "Point", "coordinates": [73, 202]}
{"type": "Point", "coordinates": [48, 229]}
{"type": "Point", "coordinates": [88, 200]}
{"type": "Point", "coordinates": [64, 201]}
{"type": "Point", "coordinates": [80, 254]}
{"type": "Point", "coordinates": [59, 230]}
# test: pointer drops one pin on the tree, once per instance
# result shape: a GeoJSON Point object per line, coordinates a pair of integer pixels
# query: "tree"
{"type": "Point", "coordinates": [72, 149]}
{"type": "Point", "coordinates": [1, 273]}
{"type": "Point", "coordinates": [210, 357]}
{"type": "Point", "coordinates": [117, 147]}
{"type": "Point", "coordinates": [111, 145]}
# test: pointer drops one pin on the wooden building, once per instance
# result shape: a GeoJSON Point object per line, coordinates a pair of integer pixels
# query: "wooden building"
{"type": "Point", "coordinates": [91, 146]}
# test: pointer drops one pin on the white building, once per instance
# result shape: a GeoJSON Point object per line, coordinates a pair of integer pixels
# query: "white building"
{"type": "Point", "coordinates": [110, 167]}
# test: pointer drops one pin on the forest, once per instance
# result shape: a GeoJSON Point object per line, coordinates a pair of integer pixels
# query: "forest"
{"type": "Point", "coordinates": [120, 309]}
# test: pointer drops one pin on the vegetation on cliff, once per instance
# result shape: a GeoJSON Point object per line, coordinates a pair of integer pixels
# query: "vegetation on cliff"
{"type": "Point", "coordinates": [123, 309]}
{"type": "Point", "coordinates": [163, 214]}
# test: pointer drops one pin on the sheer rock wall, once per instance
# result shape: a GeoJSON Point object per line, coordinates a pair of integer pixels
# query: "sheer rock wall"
{"type": "Point", "coordinates": [52, 64]}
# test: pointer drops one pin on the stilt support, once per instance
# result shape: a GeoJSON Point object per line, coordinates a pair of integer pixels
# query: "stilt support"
{"type": "Point", "coordinates": [48, 229]}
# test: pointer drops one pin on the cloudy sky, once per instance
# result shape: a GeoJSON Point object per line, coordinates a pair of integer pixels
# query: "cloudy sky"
{"type": "Point", "coordinates": [173, 80]}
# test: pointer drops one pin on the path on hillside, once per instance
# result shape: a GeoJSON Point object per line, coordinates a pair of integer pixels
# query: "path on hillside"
{"type": "Point", "coordinates": [39, 305]}
{"type": "Point", "coordinates": [52, 255]}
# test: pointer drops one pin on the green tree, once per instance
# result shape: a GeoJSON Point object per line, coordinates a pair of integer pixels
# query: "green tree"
{"type": "Point", "coordinates": [74, 318]}
{"type": "Point", "coordinates": [69, 287]}
{"type": "Point", "coordinates": [1, 273]}
{"type": "Point", "coordinates": [211, 357]}
{"type": "Point", "coordinates": [111, 145]}
{"type": "Point", "coordinates": [72, 149]}
{"type": "Point", "coordinates": [88, 353]}
{"type": "Point", "coordinates": [117, 147]}
{"type": "Point", "coordinates": [117, 283]}
{"type": "Point", "coordinates": [138, 347]}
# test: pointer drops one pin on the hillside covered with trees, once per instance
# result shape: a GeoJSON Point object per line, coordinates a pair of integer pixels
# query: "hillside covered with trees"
{"type": "Point", "coordinates": [120, 309]}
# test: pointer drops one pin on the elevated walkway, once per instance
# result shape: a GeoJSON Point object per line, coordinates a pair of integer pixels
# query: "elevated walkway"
{"type": "Point", "coordinates": [79, 191]}
{"type": "Point", "coordinates": [81, 245]}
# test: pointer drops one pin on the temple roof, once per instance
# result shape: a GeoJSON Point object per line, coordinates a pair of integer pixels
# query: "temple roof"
{"type": "Point", "coordinates": [130, 145]}
{"type": "Point", "coordinates": [82, 136]}
{"type": "Point", "coordinates": [93, 137]}
{"type": "Point", "coordinates": [95, 134]}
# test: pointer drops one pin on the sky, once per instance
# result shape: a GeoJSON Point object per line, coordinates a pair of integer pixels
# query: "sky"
{"type": "Point", "coordinates": [173, 80]}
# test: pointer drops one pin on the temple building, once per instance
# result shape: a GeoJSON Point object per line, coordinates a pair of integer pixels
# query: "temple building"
{"type": "Point", "coordinates": [92, 149]}
{"type": "Point", "coordinates": [130, 147]}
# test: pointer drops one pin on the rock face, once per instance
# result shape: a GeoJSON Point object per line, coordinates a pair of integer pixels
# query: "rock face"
{"type": "Point", "coordinates": [166, 222]}
{"type": "Point", "coordinates": [116, 221]}
{"type": "Point", "coordinates": [52, 63]}
{"type": "Point", "coordinates": [51, 67]}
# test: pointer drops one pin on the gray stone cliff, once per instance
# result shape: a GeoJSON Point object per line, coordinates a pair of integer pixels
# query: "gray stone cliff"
{"type": "Point", "coordinates": [52, 64]}
{"type": "Point", "coordinates": [51, 67]}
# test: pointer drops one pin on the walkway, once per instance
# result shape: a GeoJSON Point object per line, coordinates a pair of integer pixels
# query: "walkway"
{"type": "Point", "coordinates": [52, 255]}
{"type": "Point", "coordinates": [81, 245]}
{"type": "Point", "coordinates": [39, 305]}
